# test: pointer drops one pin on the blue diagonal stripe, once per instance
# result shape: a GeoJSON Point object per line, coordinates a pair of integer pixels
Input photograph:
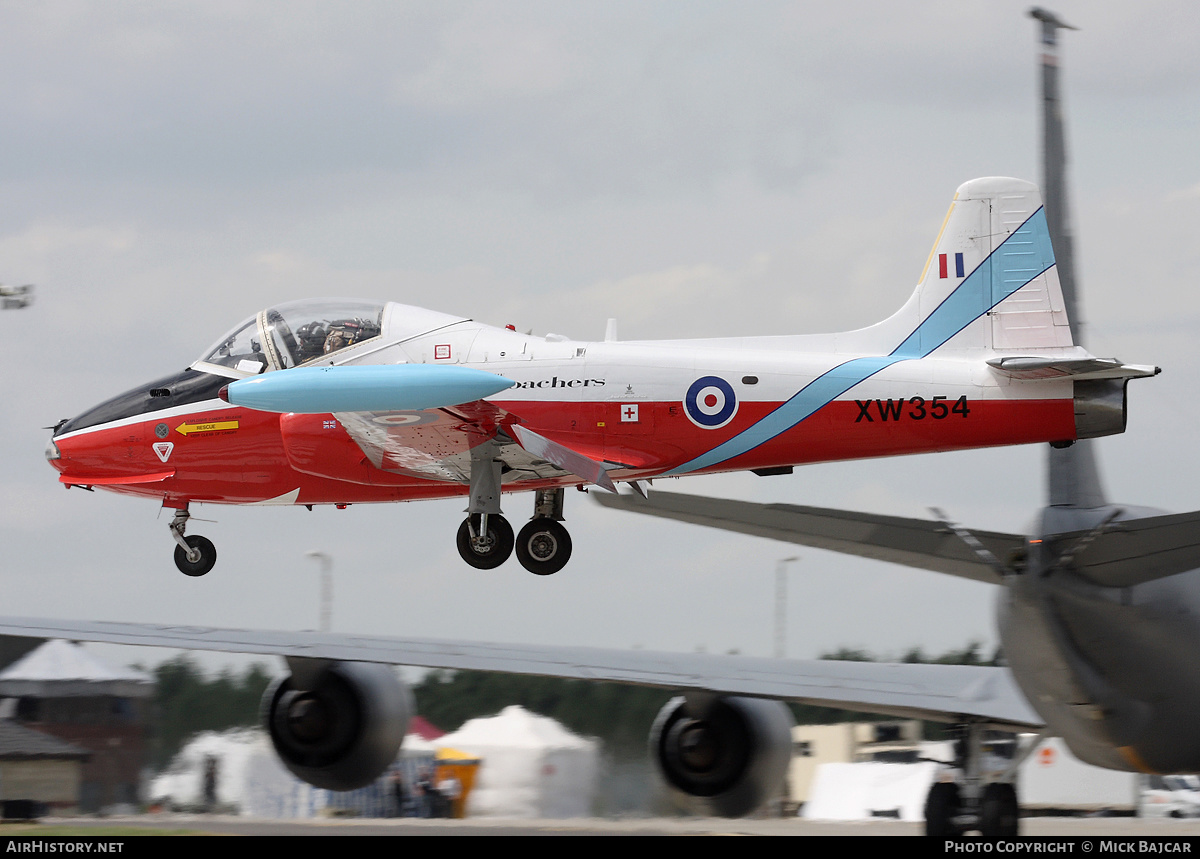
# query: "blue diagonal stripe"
{"type": "Point", "coordinates": [1023, 256]}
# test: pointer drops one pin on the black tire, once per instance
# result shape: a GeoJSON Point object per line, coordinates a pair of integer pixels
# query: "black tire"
{"type": "Point", "coordinates": [500, 542]}
{"type": "Point", "coordinates": [941, 807]}
{"type": "Point", "coordinates": [999, 814]}
{"type": "Point", "coordinates": [208, 556]}
{"type": "Point", "coordinates": [543, 546]}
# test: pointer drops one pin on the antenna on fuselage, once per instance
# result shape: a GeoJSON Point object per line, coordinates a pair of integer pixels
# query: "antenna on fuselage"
{"type": "Point", "coordinates": [1074, 478]}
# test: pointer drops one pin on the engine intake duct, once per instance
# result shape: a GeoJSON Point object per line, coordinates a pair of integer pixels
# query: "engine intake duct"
{"type": "Point", "coordinates": [725, 756]}
{"type": "Point", "coordinates": [339, 725]}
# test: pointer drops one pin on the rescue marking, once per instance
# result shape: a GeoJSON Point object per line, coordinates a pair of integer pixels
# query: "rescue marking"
{"type": "Point", "coordinates": [188, 428]}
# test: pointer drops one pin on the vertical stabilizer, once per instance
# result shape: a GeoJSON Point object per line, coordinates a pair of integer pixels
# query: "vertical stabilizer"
{"type": "Point", "coordinates": [1074, 478]}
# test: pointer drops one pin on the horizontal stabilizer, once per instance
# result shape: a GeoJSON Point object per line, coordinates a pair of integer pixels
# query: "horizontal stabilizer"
{"type": "Point", "coordinates": [946, 693]}
{"type": "Point", "coordinates": [919, 543]}
{"type": "Point", "coordinates": [1077, 368]}
{"type": "Point", "coordinates": [568, 460]}
{"type": "Point", "coordinates": [1133, 551]}
{"type": "Point", "coordinates": [371, 388]}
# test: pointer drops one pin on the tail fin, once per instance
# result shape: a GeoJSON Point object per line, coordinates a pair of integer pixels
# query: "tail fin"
{"type": "Point", "coordinates": [1073, 475]}
{"type": "Point", "coordinates": [991, 282]}
{"type": "Point", "coordinates": [990, 285]}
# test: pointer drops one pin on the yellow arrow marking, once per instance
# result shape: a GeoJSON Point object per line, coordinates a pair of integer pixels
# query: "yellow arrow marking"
{"type": "Point", "coordinates": [185, 428]}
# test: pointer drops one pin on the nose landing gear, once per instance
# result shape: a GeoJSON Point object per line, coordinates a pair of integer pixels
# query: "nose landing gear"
{"type": "Point", "coordinates": [195, 555]}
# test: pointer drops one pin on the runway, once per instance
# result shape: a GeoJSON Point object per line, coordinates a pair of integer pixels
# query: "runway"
{"type": "Point", "coordinates": [1099, 827]}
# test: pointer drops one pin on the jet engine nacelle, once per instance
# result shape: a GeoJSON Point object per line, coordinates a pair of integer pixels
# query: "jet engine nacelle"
{"type": "Point", "coordinates": [337, 725]}
{"type": "Point", "coordinates": [1101, 407]}
{"type": "Point", "coordinates": [723, 756]}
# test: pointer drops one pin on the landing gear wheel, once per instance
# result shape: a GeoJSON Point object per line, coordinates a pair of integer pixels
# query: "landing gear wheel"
{"type": "Point", "coordinates": [999, 814]}
{"type": "Point", "coordinates": [208, 556]}
{"type": "Point", "coordinates": [543, 546]}
{"type": "Point", "coordinates": [941, 807]}
{"type": "Point", "coordinates": [492, 549]}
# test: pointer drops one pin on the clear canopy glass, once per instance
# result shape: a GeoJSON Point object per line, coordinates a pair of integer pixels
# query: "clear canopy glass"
{"type": "Point", "coordinates": [296, 333]}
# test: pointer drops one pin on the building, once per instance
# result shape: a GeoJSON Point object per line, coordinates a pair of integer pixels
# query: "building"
{"type": "Point", "coordinates": [61, 690]}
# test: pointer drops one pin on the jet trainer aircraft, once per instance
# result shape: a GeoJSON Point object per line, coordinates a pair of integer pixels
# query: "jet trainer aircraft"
{"type": "Point", "coordinates": [1098, 615]}
{"type": "Point", "coordinates": [340, 402]}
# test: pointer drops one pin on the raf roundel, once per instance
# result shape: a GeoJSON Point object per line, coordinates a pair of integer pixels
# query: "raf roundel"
{"type": "Point", "coordinates": [710, 402]}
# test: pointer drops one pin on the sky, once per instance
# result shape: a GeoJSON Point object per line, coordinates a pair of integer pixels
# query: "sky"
{"type": "Point", "coordinates": [691, 169]}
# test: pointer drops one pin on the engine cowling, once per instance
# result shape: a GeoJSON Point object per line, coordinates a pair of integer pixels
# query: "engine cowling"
{"type": "Point", "coordinates": [338, 725]}
{"type": "Point", "coordinates": [723, 757]}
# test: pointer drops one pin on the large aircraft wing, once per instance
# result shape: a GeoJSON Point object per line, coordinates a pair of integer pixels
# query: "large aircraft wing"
{"type": "Point", "coordinates": [921, 543]}
{"type": "Point", "coordinates": [950, 693]}
{"type": "Point", "coordinates": [1133, 551]}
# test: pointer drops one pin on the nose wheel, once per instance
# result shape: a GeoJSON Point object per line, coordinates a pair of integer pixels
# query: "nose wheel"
{"type": "Point", "coordinates": [199, 558]}
{"type": "Point", "coordinates": [485, 540]}
{"type": "Point", "coordinates": [543, 546]}
{"type": "Point", "coordinates": [195, 555]}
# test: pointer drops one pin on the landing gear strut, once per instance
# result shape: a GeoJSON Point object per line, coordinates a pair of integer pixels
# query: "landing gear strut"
{"type": "Point", "coordinates": [485, 539]}
{"type": "Point", "coordinates": [955, 808]}
{"type": "Point", "coordinates": [195, 555]}
{"type": "Point", "coordinates": [544, 546]}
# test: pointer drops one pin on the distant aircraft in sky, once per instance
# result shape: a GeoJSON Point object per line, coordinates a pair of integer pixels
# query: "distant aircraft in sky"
{"type": "Point", "coordinates": [15, 297]}
{"type": "Point", "coordinates": [341, 402]}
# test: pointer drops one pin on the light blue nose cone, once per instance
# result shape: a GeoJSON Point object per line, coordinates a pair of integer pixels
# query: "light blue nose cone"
{"type": "Point", "coordinates": [374, 388]}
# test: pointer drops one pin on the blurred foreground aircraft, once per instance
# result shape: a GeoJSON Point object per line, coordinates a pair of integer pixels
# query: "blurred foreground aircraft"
{"type": "Point", "coordinates": [340, 402]}
{"type": "Point", "coordinates": [1099, 608]}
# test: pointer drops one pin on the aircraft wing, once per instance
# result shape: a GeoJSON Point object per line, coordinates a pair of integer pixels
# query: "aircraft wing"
{"type": "Point", "coordinates": [437, 443]}
{"type": "Point", "coordinates": [921, 543]}
{"type": "Point", "coordinates": [1133, 551]}
{"type": "Point", "coordinates": [417, 420]}
{"type": "Point", "coordinates": [949, 693]}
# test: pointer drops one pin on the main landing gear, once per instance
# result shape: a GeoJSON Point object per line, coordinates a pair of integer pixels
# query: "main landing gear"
{"type": "Point", "coordinates": [195, 555]}
{"type": "Point", "coordinates": [544, 546]}
{"type": "Point", "coordinates": [956, 808]}
{"type": "Point", "coordinates": [485, 539]}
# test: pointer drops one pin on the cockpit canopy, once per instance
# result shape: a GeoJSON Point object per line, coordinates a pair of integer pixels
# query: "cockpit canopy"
{"type": "Point", "coordinates": [292, 334]}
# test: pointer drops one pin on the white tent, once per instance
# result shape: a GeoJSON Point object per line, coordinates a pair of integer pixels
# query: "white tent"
{"type": "Point", "coordinates": [532, 766]}
{"type": "Point", "coordinates": [251, 779]}
{"type": "Point", "coordinates": [60, 669]}
{"type": "Point", "coordinates": [864, 790]}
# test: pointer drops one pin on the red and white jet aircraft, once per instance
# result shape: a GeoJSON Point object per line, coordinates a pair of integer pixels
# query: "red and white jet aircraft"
{"type": "Point", "coordinates": [339, 402]}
